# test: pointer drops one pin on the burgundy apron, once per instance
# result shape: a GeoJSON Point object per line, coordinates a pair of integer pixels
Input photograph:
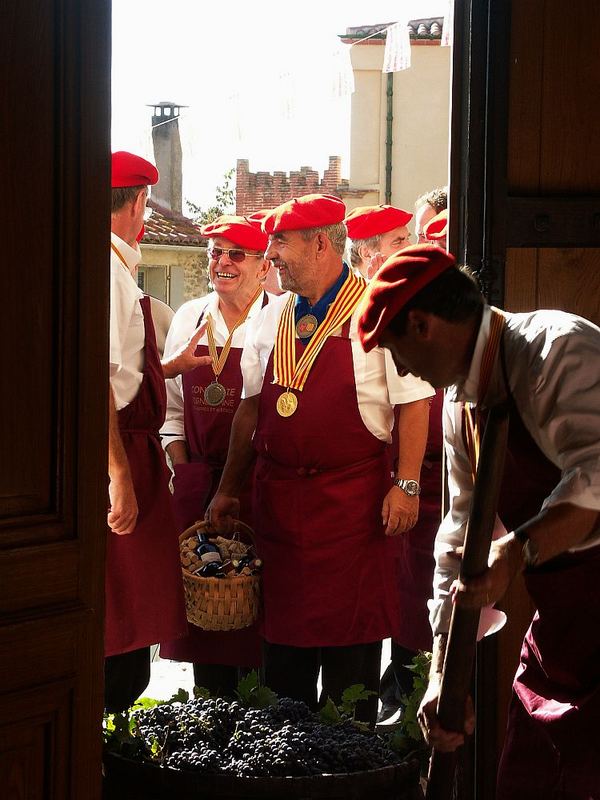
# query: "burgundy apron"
{"type": "Point", "coordinates": [552, 745]}
{"type": "Point", "coordinates": [207, 430]}
{"type": "Point", "coordinates": [329, 575]}
{"type": "Point", "coordinates": [144, 590]}
{"type": "Point", "coordinates": [415, 552]}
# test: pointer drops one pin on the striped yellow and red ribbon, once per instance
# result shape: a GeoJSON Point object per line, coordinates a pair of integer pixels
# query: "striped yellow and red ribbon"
{"type": "Point", "coordinates": [292, 375]}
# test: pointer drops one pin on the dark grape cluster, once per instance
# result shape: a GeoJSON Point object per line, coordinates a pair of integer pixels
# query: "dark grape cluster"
{"type": "Point", "coordinates": [286, 739]}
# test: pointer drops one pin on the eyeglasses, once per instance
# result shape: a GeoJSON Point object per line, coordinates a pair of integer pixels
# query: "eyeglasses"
{"type": "Point", "coordinates": [236, 255]}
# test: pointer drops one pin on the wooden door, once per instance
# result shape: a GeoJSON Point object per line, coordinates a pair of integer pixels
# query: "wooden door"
{"type": "Point", "coordinates": [55, 156]}
{"type": "Point", "coordinates": [525, 213]}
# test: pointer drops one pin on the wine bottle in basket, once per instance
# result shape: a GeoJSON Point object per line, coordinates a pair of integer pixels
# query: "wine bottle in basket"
{"type": "Point", "coordinates": [211, 564]}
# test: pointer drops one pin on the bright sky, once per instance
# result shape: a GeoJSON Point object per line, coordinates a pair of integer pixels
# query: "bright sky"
{"type": "Point", "coordinates": [262, 81]}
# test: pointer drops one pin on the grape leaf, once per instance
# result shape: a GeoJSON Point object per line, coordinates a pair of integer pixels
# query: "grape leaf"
{"type": "Point", "coordinates": [180, 696]}
{"type": "Point", "coordinates": [352, 695]}
{"type": "Point", "coordinates": [251, 693]}
{"type": "Point", "coordinates": [262, 697]}
{"type": "Point", "coordinates": [330, 714]}
{"type": "Point", "coordinates": [247, 685]}
{"type": "Point", "coordinates": [149, 702]}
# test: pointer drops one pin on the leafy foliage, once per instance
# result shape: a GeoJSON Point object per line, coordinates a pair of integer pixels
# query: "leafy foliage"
{"type": "Point", "coordinates": [252, 694]}
{"type": "Point", "coordinates": [224, 202]}
{"type": "Point", "coordinates": [332, 714]}
{"type": "Point", "coordinates": [408, 735]}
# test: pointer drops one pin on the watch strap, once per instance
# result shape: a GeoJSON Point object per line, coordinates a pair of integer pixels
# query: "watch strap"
{"type": "Point", "coordinates": [411, 487]}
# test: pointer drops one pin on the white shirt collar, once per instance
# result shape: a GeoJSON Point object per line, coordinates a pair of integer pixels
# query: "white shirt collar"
{"type": "Point", "coordinates": [132, 256]}
{"type": "Point", "coordinates": [212, 308]}
{"type": "Point", "coordinates": [467, 391]}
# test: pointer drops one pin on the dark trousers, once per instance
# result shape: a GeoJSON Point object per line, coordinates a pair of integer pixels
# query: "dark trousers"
{"type": "Point", "coordinates": [397, 680]}
{"type": "Point", "coordinates": [293, 672]}
{"type": "Point", "coordinates": [125, 677]}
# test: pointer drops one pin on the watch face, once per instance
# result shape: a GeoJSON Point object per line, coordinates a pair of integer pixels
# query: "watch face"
{"type": "Point", "coordinates": [412, 487]}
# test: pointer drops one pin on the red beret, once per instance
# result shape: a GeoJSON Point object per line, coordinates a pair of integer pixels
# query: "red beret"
{"type": "Point", "coordinates": [398, 279]}
{"type": "Point", "coordinates": [131, 170]}
{"type": "Point", "coordinates": [242, 231]}
{"type": "Point", "coordinates": [258, 216]}
{"type": "Point", "coordinates": [366, 221]}
{"type": "Point", "coordinates": [437, 226]}
{"type": "Point", "coordinates": [309, 211]}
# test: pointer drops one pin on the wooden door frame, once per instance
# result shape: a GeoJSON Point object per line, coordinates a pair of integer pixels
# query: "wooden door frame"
{"type": "Point", "coordinates": [477, 201]}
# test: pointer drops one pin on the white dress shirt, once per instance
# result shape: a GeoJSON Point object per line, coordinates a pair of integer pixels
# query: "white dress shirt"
{"type": "Point", "coordinates": [182, 327]}
{"type": "Point", "coordinates": [553, 364]}
{"type": "Point", "coordinates": [378, 385]}
{"type": "Point", "coordinates": [127, 332]}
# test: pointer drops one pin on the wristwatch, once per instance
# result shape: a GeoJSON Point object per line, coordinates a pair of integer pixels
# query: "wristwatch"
{"type": "Point", "coordinates": [529, 549]}
{"type": "Point", "coordinates": [411, 488]}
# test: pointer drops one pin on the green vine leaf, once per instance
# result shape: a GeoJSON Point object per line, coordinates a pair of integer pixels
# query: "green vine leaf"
{"type": "Point", "coordinates": [330, 714]}
{"type": "Point", "coordinates": [180, 696]}
{"type": "Point", "coordinates": [351, 697]}
{"type": "Point", "coordinates": [251, 693]}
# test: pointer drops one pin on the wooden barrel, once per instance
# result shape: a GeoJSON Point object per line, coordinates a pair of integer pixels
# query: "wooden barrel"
{"type": "Point", "coordinates": [134, 780]}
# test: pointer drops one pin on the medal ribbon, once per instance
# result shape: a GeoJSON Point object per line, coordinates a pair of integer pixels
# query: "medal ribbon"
{"type": "Point", "coordinates": [117, 252]}
{"type": "Point", "coordinates": [471, 415]}
{"type": "Point", "coordinates": [292, 375]}
{"type": "Point", "coordinates": [218, 361]}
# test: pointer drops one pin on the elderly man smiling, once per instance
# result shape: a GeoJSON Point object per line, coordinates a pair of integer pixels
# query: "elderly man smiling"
{"type": "Point", "coordinates": [319, 412]}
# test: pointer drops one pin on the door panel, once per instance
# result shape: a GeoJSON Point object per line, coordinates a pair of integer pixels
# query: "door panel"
{"type": "Point", "coordinates": [55, 80]}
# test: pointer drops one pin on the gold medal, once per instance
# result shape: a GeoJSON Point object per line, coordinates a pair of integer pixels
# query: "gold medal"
{"type": "Point", "coordinates": [306, 326]}
{"type": "Point", "coordinates": [290, 374]}
{"type": "Point", "coordinates": [287, 403]}
{"type": "Point", "coordinates": [214, 394]}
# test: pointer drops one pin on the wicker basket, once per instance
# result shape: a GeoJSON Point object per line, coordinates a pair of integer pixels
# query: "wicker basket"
{"type": "Point", "coordinates": [220, 604]}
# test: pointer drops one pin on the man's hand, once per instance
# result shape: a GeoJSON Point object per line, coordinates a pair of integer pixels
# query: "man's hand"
{"type": "Point", "coordinates": [486, 589]}
{"type": "Point", "coordinates": [184, 359]}
{"type": "Point", "coordinates": [435, 735]}
{"type": "Point", "coordinates": [123, 512]}
{"type": "Point", "coordinates": [221, 512]}
{"type": "Point", "coordinates": [399, 511]}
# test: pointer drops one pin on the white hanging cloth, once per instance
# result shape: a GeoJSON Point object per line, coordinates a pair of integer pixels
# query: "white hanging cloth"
{"type": "Point", "coordinates": [342, 74]}
{"type": "Point", "coordinates": [448, 26]}
{"type": "Point", "coordinates": [397, 48]}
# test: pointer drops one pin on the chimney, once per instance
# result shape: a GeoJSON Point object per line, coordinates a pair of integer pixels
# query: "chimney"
{"type": "Point", "coordinates": [167, 154]}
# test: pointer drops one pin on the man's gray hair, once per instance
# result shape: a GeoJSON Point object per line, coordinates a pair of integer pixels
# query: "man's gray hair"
{"type": "Point", "coordinates": [335, 233]}
{"type": "Point", "coordinates": [372, 244]}
{"type": "Point", "coordinates": [436, 198]}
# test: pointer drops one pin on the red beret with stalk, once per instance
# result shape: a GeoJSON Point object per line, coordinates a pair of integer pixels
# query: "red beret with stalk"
{"type": "Point", "coordinates": [398, 279]}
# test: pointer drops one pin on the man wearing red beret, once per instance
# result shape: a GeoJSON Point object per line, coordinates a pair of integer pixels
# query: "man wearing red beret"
{"type": "Point", "coordinates": [545, 365]}
{"type": "Point", "coordinates": [200, 409]}
{"type": "Point", "coordinates": [142, 552]}
{"type": "Point", "coordinates": [318, 414]}
{"type": "Point", "coordinates": [437, 228]}
{"type": "Point", "coordinates": [427, 206]}
{"type": "Point", "coordinates": [376, 232]}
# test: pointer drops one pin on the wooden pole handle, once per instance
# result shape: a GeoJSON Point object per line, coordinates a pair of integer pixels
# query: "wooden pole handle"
{"type": "Point", "coordinates": [462, 637]}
